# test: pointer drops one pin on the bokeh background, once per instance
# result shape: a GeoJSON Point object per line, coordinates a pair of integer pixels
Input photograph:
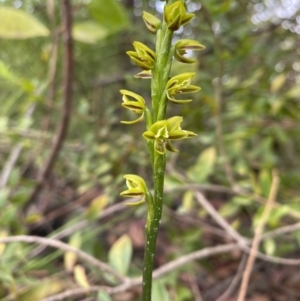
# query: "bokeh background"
{"type": "Point", "coordinates": [246, 117]}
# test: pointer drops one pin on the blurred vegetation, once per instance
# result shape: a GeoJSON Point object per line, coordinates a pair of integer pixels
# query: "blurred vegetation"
{"type": "Point", "coordinates": [246, 116]}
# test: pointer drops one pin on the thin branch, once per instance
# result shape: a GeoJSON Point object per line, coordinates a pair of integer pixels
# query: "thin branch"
{"type": "Point", "coordinates": [204, 253]}
{"type": "Point", "coordinates": [219, 219]}
{"type": "Point", "coordinates": [65, 247]}
{"type": "Point", "coordinates": [80, 225]}
{"type": "Point", "coordinates": [257, 237]}
{"type": "Point", "coordinates": [195, 288]}
{"type": "Point", "coordinates": [242, 241]}
{"type": "Point", "coordinates": [207, 252]}
{"type": "Point", "coordinates": [66, 110]}
{"type": "Point", "coordinates": [281, 230]}
{"type": "Point", "coordinates": [235, 281]}
{"type": "Point", "coordinates": [15, 153]}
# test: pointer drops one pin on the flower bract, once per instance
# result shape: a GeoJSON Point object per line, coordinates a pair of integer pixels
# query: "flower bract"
{"type": "Point", "coordinates": [164, 131]}
{"type": "Point", "coordinates": [152, 23]}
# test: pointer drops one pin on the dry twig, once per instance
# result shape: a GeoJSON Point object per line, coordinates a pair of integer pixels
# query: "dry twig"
{"type": "Point", "coordinates": [66, 110]}
{"type": "Point", "coordinates": [257, 237]}
{"type": "Point", "coordinates": [65, 247]}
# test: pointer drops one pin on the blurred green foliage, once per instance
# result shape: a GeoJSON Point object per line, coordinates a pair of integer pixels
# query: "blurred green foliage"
{"type": "Point", "coordinates": [251, 56]}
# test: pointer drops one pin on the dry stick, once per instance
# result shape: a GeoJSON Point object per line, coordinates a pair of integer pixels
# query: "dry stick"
{"type": "Point", "coordinates": [130, 283]}
{"type": "Point", "coordinates": [204, 253]}
{"type": "Point", "coordinates": [242, 241]}
{"type": "Point", "coordinates": [219, 219]}
{"type": "Point", "coordinates": [78, 226]}
{"type": "Point", "coordinates": [194, 288]}
{"type": "Point", "coordinates": [257, 236]}
{"type": "Point", "coordinates": [65, 247]}
{"type": "Point", "coordinates": [235, 281]}
{"type": "Point", "coordinates": [65, 117]}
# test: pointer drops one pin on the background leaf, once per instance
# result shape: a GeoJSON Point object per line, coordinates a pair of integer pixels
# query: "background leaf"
{"type": "Point", "coordinates": [159, 292]}
{"type": "Point", "coordinates": [204, 165]}
{"type": "Point", "coordinates": [70, 257]}
{"type": "Point", "coordinates": [109, 14]}
{"type": "Point", "coordinates": [120, 254]}
{"type": "Point", "coordinates": [89, 32]}
{"type": "Point", "coordinates": [80, 276]}
{"type": "Point", "coordinates": [17, 24]}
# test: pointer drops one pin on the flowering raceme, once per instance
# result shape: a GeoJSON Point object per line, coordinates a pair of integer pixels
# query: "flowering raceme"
{"type": "Point", "coordinates": [164, 131]}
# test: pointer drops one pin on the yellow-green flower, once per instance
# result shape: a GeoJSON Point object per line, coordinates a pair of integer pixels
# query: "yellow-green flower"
{"type": "Point", "coordinates": [135, 103]}
{"type": "Point", "coordinates": [136, 188]}
{"type": "Point", "coordinates": [184, 45]}
{"type": "Point", "coordinates": [180, 84]}
{"type": "Point", "coordinates": [175, 15]}
{"type": "Point", "coordinates": [143, 56]}
{"type": "Point", "coordinates": [164, 131]}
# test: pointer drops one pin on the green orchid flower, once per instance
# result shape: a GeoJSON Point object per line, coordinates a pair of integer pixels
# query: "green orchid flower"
{"type": "Point", "coordinates": [175, 15]}
{"type": "Point", "coordinates": [164, 131]}
{"type": "Point", "coordinates": [184, 45]}
{"type": "Point", "coordinates": [180, 84]}
{"type": "Point", "coordinates": [136, 188]}
{"type": "Point", "coordinates": [143, 56]}
{"type": "Point", "coordinates": [135, 103]}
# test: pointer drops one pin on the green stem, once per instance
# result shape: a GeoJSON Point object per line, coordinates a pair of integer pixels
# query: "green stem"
{"type": "Point", "coordinates": [160, 77]}
{"type": "Point", "coordinates": [153, 222]}
{"type": "Point", "coordinates": [161, 71]}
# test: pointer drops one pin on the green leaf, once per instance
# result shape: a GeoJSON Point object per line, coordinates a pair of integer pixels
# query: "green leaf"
{"type": "Point", "coordinates": [89, 32]}
{"type": "Point", "coordinates": [109, 14]}
{"type": "Point", "coordinates": [159, 292]}
{"type": "Point", "coordinates": [17, 24]}
{"type": "Point", "coordinates": [80, 276]}
{"type": "Point", "coordinates": [41, 290]}
{"type": "Point", "coordinates": [70, 258]}
{"type": "Point", "coordinates": [265, 182]}
{"type": "Point", "coordinates": [277, 82]}
{"type": "Point", "coordinates": [120, 254]}
{"type": "Point", "coordinates": [229, 209]}
{"type": "Point", "coordinates": [187, 202]}
{"type": "Point", "coordinates": [204, 165]}
{"type": "Point", "coordinates": [96, 206]}
{"type": "Point", "coordinates": [269, 246]}
{"type": "Point", "coordinates": [6, 73]}
{"type": "Point", "coordinates": [103, 296]}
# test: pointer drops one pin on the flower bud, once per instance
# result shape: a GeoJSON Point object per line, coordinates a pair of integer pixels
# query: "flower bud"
{"type": "Point", "coordinates": [152, 23]}
{"type": "Point", "coordinates": [175, 15]}
{"type": "Point", "coordinates": [143, 56]}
